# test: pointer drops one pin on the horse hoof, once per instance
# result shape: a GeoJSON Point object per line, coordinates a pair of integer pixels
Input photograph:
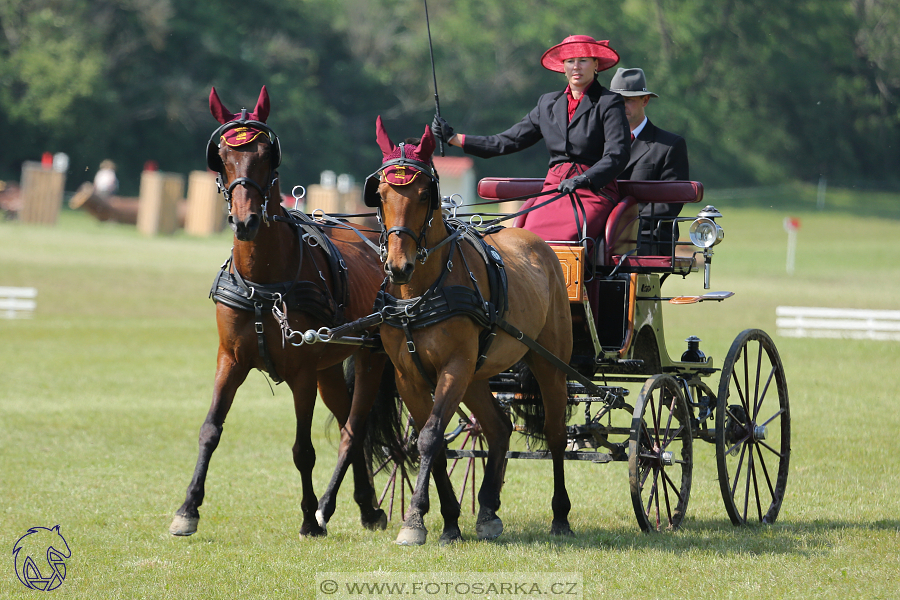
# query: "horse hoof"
{"type": "Point", "coordinates": [312, 531]}
{"type": "Point", "coordinates": [489, 530]}
{"type": "Point", "coordinates": [451, 537]}
{"type": "Point", "coordinates": [561, 529]}
{"type": "Point", "coordinates": [183, 525]}
{"type": "Point", "coordinates": [411, 537]}
{"type": "Point", "coordinates": [320, 519]}
{"type": "Point", "coordinates": [377, 524]}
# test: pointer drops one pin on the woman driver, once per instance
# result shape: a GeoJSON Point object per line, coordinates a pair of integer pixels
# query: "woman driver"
{"type": "Point", "coordinates": [586, 133]}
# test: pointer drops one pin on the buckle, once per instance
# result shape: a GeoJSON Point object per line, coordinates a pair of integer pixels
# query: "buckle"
{"type": "Point", "coordinates": [411, 346]}
{"type": "Point", "coordinates": [259, 327]}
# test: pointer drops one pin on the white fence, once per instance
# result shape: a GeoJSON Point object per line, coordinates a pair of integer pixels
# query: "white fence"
{"type": "Point", "coordinates": [803, 321]}
{"type": "Point", "coordinates": [17, 302]}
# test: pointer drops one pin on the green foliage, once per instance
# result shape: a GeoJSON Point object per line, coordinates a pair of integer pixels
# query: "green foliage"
{"type": "Point", "coordinates": [763, 90]}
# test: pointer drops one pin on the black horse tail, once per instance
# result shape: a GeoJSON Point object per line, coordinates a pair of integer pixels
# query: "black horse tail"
{"type": "Point", "coordinates": [389, 439]}
{"type": "Point", "coordinates": [528, 408]}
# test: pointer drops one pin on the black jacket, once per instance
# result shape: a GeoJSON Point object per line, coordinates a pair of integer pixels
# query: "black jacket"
{"type": "Point", "coordinates": [598, 135]}
{"type": "Point", "coordinates": [657, 155]}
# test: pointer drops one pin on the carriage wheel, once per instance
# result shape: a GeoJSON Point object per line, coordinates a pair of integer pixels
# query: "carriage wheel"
{"type": "Point", "coordinates": [399, 486]}
{"type": "Point", "coordinates": [463, 471]}
{"type": "Point", "coordinates": [753, 429]}
{"type": "Point", "coordinates": [660, 455]}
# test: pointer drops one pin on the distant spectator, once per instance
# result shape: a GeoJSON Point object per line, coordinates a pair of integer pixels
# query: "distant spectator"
{"type": "Point", "coordinates": [105, 181]}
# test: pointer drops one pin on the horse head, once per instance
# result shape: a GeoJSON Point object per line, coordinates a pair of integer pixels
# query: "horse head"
{"type": "Point", "coordinates": [245, 152]}
{"type": "Point", "coordinates": [405, 191]}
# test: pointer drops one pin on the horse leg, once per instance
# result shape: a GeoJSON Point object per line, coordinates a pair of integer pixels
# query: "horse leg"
{"type": "Point", "coordinates": [433, 456]}
{"type": "Point", "coordinates": [304, 388]}
{"type": "Point", "coordinates": [553, 391]}
{"type": "Point", "coordinates": [450, 509]}
{"type": "Point", "coordinates": [352, 418]}
{"type": "Point", "coordinates": [497, 428]}
{"type": "Point", "coordinates": [229, 376]}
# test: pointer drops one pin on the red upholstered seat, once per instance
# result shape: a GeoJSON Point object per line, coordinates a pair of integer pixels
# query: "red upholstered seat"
{"type": "Point", "coordinates": [623, 223]}
{"type": "Point", "coordinates": [504, 188]}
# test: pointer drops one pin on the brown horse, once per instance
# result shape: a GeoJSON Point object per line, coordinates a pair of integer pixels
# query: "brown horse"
{"type": "Point", "coordinates": [280, 280]}
{"type": "Point", "coordinates": [443, 357]}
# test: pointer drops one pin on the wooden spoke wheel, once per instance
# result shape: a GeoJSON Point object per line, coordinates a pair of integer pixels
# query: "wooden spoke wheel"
{"type": "Point", "coordinates": [660, 455]}
{"type": "Point", "coordinates": [753, 429]}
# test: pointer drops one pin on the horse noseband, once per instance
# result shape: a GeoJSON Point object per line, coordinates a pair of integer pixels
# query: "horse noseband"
{"type": "Point", "coordinates": [246, 181]}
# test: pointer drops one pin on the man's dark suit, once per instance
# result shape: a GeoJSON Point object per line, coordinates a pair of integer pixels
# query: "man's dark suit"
{"type": "Point", "coordinates": [657, 155]}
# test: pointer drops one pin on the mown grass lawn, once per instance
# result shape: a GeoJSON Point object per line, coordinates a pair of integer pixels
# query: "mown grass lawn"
{"type": "Point", "coordinates": [102, 394]}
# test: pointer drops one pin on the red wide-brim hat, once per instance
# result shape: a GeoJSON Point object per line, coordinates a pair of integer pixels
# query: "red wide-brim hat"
{"type": "Point", "coordinates": [576, 46]}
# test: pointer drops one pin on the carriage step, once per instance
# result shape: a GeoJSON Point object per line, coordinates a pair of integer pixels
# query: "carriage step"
{"type": "Point", "coordinates": [630, 362]}
{"type": "Point", "coordinates": [596, 457]}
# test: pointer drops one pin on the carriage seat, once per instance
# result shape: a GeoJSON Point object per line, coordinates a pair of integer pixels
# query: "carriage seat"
{"type": "Point", "coordinates": [623, 223]}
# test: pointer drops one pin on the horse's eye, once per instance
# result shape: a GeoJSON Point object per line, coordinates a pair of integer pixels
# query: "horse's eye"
{"type": "Point", "coordinates": [426, 196]}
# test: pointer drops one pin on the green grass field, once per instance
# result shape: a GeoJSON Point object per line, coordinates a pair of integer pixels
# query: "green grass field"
{"type": "Point", "coordinates": [102, 394]}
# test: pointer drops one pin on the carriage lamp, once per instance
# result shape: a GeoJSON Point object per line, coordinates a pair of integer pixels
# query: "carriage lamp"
{"type": "Point", "coordinates": [706, 233]}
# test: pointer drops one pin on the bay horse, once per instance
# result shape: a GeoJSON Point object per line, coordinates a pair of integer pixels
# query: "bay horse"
{"type": "Point", "coordinates": [449, 357]}
{"type": "Point", "coordinates": [283, 276]}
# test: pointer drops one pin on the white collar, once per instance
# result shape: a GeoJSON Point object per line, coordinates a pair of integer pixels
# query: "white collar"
{"type": "Point", "coordinates": [637, 130]}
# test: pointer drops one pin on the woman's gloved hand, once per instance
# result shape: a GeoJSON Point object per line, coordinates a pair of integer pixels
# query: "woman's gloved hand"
{"type": "Point", "coordinates": [567, 186]}
{"type": "Point", "coordinates": [441, 129]}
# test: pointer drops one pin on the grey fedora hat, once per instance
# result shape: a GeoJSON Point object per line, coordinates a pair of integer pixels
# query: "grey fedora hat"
{"type": "Point", "coordinates": [630, 82]}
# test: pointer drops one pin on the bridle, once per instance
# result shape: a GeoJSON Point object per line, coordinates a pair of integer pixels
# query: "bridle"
{"type": "Point", "coordinates": [214, 162]}
{"type": "Point", "coordinates": [371, 199]}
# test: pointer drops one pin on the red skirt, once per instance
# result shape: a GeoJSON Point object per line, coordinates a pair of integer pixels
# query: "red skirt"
{"type": "Point", "coordinates": [559, 221]}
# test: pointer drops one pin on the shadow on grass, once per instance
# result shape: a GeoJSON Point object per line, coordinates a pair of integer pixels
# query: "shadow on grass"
{"type": "Point", "coordinates": [808, 539]}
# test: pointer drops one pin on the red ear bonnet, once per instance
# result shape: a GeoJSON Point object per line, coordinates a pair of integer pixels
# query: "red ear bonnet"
{"type": "Point", "coordinates": [426, 146]}
{"type": "Point", "coordinates": [384, 142]}
{"type": "Point", "coordinates": [238, 136]}
{"type": "Point", "coordinates": [399, 174]}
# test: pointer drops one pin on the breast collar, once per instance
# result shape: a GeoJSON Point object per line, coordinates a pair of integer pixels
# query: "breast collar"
{"type": "Point", "coordinates": [441, 302]}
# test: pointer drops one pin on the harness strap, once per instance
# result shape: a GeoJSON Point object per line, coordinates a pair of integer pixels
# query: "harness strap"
{"type": "Point", "coordinates": [261, 344]}
{"type": "Point", "coordinates": [231, 289]}
{"type": "Point", "coordinates": [556, 362]}
{"type": "Point", "coordinates": [411, 348]}
{"type": "Point", "coordinates": [441, 302]}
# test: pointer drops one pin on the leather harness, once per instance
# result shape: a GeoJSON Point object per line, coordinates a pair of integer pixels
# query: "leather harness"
{"type": "Point", "coordinates": [322, 304]}
{"type": "Point", "coordinates": [440, 302]}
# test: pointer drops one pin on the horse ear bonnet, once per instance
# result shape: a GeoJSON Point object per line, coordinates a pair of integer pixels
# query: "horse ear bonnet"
{"type": "Point", "coordinates": [397, 160]}
{"type": "Point", "coordinates": [255, 120]}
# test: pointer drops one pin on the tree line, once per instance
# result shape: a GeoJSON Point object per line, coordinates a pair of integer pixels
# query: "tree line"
{"type": "Point", "coordinates": [763, 90]}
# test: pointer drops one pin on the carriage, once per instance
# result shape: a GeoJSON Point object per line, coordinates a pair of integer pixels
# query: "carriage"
{"type": "Point", "coordinates": [619, 339]}
{"type": "Point", "coordinates": [586, 318]}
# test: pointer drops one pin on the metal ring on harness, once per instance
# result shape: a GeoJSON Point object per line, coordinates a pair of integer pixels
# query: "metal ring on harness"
{"type": "Point", "coordinates": [298, 196]}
